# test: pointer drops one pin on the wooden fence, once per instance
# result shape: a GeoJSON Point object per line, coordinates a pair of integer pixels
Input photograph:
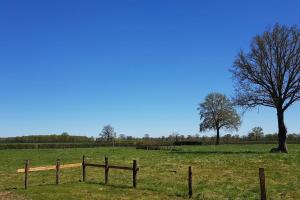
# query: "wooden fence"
{"type": "Point", "coordinates": [84, 164]}
{"type": "Point", "coordinates": [106, 167]}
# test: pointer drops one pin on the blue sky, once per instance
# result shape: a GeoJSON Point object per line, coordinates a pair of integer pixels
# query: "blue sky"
{"type": "Point", "coordinates": [142, 66]}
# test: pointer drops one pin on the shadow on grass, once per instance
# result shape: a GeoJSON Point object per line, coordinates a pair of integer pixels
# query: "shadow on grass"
{"type": "Point", "coordinates": [217, 152]}
{"type": "Point", "coordinates": [109, 185]}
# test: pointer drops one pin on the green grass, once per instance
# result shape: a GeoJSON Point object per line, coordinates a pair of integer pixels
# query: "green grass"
{"type": "Point", "coordinates": [223, 172]}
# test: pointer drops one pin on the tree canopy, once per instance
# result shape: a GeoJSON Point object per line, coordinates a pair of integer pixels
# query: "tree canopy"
{"type": "Point", "coordinates": [217, 112]}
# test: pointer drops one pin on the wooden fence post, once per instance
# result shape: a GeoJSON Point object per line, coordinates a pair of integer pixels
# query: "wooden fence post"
{"type": "Point", "coordinates": [134, 173]}
{"type": "Point", "coordinates": [57, 171]}
{"type": "Point", "coordinates": [83, 168]}
{"type": "Point", "coordinates": [190, 182]}
{"type": "Point", "coordinates": [106, 170]}
{"type": "Point", "coordinates": [26, 173]}
{"type": "Point", "coordinates": [262, 181]}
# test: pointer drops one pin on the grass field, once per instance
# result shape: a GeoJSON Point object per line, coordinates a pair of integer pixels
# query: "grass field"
{"type": "Point", "coordinates": [223, 172]}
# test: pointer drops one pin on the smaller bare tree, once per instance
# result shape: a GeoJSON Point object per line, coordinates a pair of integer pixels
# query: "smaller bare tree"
{"type": "Point", "coordinates": [146, 136]}
{"type": "Point", "coordinates": [108, 133]}
{"type": "Point", "coordinates": [256, 133]}
{"type": "Point", "coordinates": [216, 113]}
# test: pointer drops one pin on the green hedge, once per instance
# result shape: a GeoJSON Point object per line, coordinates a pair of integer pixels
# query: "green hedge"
{"type": "Point", "coordinates": [179, 143]}
{"type": "Point", "coordinates": [152, 147]}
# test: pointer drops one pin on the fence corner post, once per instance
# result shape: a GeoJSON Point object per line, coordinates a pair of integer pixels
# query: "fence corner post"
{"type": "Point", "coordinates": [83, 168]}
{"type": "Point", "coordinates": [190, 186]}
{"type": "Point", "coordinates": [262, 182]}
{"type": "Point", "coordinates": [106, 170]}
{"type": "Point", "coordinates": [57, 181]}
{"type": "Point", "coordinates": [134, 173]}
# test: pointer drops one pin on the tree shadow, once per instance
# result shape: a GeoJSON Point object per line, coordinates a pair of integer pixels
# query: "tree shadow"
{"type": "Point", "coordinates": [217, 152]}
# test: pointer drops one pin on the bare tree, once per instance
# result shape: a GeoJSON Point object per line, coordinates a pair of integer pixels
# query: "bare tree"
{"type": "Point", "coordinates": [122, 136]}
{"type": "Point", "coordinates": [269, 75]}
{"type": "Point", "coordinates": [175, 136]}
{"type": "Point", "coordinates": [256, 133]}
{"type": "Point", "coordinates": [217, 112]}
{"type": "Point", "coordinates": [108, 133]}
{"type": "Point", "coordinates": [146, 136]}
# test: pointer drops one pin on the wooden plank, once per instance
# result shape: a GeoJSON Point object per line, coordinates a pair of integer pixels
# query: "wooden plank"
{"type": "Point", "coordinates": [52, 167]}
{"type": "Point", "coordinates": [119, 167]}
{"type": "Point", "coordinates": [94, 165]}
{"type": "Point", "coordinates": [262, 182]}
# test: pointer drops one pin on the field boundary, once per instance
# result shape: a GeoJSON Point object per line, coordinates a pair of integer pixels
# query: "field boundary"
{"type": "Point", "coordinates": [106, 167]}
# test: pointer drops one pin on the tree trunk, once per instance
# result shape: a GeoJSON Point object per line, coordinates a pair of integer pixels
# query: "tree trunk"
{"type": "Point", "coordinates": [282, 147]}
{"type": "Point", "coordinates": [218, 136]}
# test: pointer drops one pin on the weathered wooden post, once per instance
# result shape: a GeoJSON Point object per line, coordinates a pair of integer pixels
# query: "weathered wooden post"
{"type": "Point", "coordinates": [106, 170]}
{"type": "Point", "coordinates": [57, 171]}
{"type": "Point", "coordinates": [262, 181]}
{"type": "Point", "coordinates": [134, 173]}
{"type": "Point", "coordinates": [26, 170]}
{"type": "Point", "coordinates": [83, 168]}
{"type": "Point", "coordinates": [190, 182]}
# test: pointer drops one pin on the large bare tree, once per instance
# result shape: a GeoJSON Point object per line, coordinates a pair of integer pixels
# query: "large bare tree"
{"type": "Point", "coordinates": [217, 112]}
{"type": "Point", "coordinates": [269, 74]}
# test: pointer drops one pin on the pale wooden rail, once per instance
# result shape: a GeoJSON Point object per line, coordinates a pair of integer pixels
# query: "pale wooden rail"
{"type": "Point", "coordinates": [50, 167]}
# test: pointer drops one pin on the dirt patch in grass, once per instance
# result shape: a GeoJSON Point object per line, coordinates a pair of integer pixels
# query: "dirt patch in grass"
{"type": "Point", "coordinates": [5, 195]}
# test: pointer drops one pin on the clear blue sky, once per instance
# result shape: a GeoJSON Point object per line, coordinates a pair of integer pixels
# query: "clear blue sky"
{"type": "Point", "coordinates": [142, 66]}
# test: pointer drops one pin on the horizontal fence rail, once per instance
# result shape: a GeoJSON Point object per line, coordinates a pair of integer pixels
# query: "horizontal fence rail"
{"type": "Point", "coordinates": [51, 167]}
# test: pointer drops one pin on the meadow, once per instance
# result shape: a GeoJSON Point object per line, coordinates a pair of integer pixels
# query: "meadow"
{"type": "Point", "coordinates": [219, 172]}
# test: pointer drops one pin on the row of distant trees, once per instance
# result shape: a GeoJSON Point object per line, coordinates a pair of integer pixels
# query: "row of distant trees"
{"type": "Point", "coordinates": [53, 138]}
{"type": "Point", "coordinates": [256, 134]}
{"type": "Point", "coordinates": [108, 135]}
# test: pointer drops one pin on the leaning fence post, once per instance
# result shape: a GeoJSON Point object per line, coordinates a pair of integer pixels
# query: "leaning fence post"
{"type": "Point", "coordinates": [190, 182]}
{"type": "Point", "coordinates": [57, 171]}
{"type": "Point", "coordinates": [262, 181]}
{"type": "Point", "coordinates": [134, 173]}
{"type": "Point", "coordinates": [83, 168]}
{"type": "Point", "coordinates": [106, 170]}
{"type": "Point", "coordinates": [26, 173]}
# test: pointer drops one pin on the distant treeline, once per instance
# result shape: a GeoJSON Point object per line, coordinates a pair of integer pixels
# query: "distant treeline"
{"type": "Point", "coordinates": [62, 138]}
{"type": "Point", "coordinates": [46, 145]}
{"type": "Point", "coordinates": [250, 139]}
{"type": "Point", "coordinates": [68, 141]}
